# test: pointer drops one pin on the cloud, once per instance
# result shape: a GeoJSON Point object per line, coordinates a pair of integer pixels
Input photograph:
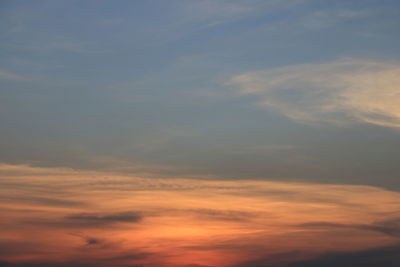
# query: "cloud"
{"type": "Point", "coordinates": [197, 265]}
{"type": "Point", "coordinates": [82, 220]}
{"type": "Point", "coordinates": [222, 215]}
{"type": "Point", "coordinates": [10, 247]}
{"type": "Point", "coordinates": [187, 221]}
{"type": "Point", "coordinates": [94, 218]}
{"type": "Point", "coordinates": [388, 256]}
{"type": "Point", "coordinates": [217, 11]}
{"type": "Point", "coordinates": [46, 201]}
{"type": "Point", "coordinates": [342, 92]}
{"type": "Point", "coordinates": [87, 220]}
{"type": "Point", "coordinates": [220, 12]}
{"type": "Point", "coordinates": [383, 256]}
{"type": "Point", "coordinates": [92, 241]}
{"type": "Point", "coordinates": [6, 75]}
{"type": "Point", "coordinates": [389, 227]}
{"type": "Point", "coordinates": [326, 18]}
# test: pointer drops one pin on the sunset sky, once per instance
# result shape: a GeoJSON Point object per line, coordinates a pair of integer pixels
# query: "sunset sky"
{"type": "Point", "coordinates": [200, 133]}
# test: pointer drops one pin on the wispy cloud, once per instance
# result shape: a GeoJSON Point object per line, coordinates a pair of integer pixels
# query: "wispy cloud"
{"type": "Point", "coordinates": [95, 218]}
{"type": "Point", "coordinates": [390, 227]}
{"type": "Point", "coordinates": [6, 75]}
{"type": "Point", "coordinates": [213, 13]}
{"type": "Point", "coordinates": [342, 91]}
{"type": "Point", "coordinates": [130, 220]}
{"type": "Point", "coordinates": [327, 18]}
{"type": "Point", "coordinates": [377, 257]}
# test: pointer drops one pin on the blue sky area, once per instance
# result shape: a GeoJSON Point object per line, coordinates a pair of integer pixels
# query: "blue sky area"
{"type": "Point", "coordinates": [296, 90]}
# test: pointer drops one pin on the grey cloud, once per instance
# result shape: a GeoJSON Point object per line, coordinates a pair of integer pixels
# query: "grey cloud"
{"type": "Point", "coordinates": [197, 265]}
{"type": "Point", "coordinates": [269, 261]}
{"type": "Point", "coordinates": [108, 261]}
{"type": "Point", "coordinates": [95, 242]}
{"type": "Point", "coordinates": [85, 220]}
{"type": "Point", "coordinates": [389, 227]}
{"type": "Point", "coordinates": [50, 264]}
{"type": "Point", "coordinates": [92, 241]}
{"type": "Point", "coordinates": [223, 215]}
{"type": "Point", "coordinates": [378, 257]}
{"type": "Point", "coordinates": [131, 256]}
{"type": "Point", "coordinates": [47, 201]}
{"type": "Point", "coordinates": [14, 248]}
{"type": "Point", "coordinates": [107, 218]}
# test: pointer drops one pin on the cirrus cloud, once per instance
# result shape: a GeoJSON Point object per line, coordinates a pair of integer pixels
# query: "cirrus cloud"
{"type": "Point", "coordinates": [342, 91]}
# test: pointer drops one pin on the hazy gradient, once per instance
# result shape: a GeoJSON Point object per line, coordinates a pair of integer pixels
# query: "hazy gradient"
{"type": "Point", "coordinates": [200, 133]}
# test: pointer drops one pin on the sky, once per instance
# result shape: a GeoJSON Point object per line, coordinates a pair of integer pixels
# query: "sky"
{"type": "Point", "coordinates": [199, 133]}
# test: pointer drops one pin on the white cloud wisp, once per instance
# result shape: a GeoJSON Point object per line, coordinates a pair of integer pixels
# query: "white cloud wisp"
{"type": "Point", "coordinates": [341, 91]}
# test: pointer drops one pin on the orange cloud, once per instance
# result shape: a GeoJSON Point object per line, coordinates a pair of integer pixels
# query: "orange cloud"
{"type": "Point", "coordinates": [90, 218]}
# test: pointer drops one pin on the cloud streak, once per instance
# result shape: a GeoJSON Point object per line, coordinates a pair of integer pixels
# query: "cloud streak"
{"type": "Point", "coordinates": [94, 218]}
{"type": "Point", "coordinates": [341, 92]}
{"type": "Point", "coordinates": [390, 227]}
{"type": "Point", "coordinates": [127, 220]}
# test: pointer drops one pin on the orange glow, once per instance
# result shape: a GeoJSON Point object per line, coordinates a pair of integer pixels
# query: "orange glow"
{"type": "Point", "coordinates": [58, 215]}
